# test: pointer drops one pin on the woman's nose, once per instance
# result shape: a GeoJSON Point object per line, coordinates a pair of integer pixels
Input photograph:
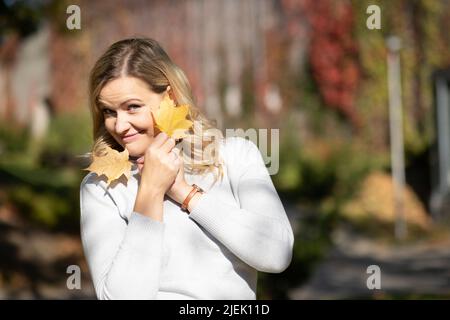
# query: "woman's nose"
{"type": "Point", "coordinates": [122, 124]}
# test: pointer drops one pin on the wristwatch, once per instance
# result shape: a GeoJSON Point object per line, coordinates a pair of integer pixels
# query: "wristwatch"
{"type": "Point", "coordinates": [195, 189]}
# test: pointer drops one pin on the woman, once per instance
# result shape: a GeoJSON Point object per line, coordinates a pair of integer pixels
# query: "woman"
{"type": "Point", "coordinates": [157, 235]}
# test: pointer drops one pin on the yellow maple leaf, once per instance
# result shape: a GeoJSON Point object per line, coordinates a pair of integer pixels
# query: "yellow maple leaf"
{"type": "Point", "coordinates": [171, 119]}
{"type": "Point", "coordinates": [113, 164]}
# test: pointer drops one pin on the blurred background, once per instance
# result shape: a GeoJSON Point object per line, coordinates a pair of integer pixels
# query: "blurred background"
{"type": "Point", "coordinates": [364, 131]}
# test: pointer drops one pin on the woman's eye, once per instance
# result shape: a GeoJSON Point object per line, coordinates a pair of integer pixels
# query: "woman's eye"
{"type": "Point", "coordinates": [108, 112]}
{"type": "Point", "coordinates": [133, 107]}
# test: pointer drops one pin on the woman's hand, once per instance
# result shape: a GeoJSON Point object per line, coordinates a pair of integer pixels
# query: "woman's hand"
{"type": "Point", "coordinates": [179, 189]}
{"type": "Point", "coordinates": [159, 166]}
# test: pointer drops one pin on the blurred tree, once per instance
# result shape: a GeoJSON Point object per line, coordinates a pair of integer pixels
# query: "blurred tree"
{"type": "Point", "coordinates": [22, 17]}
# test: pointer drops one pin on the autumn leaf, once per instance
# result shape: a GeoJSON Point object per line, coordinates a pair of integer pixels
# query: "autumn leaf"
{"type": "Point", "coordinates": [112, 165]}
{"type": "Point", "coordinates": [171, 119]}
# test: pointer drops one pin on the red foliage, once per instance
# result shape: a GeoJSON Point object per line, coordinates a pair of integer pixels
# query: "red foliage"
{"type": "Point", "coordinates": [332, 52]}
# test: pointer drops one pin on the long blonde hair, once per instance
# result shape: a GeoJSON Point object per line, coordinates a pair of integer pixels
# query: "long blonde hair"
{"type": "Point", "coordinates": [145, 59]}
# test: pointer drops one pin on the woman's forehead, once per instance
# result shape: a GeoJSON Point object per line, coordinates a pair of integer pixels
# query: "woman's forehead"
{"type": "Point", "coordinates": [119, 90]}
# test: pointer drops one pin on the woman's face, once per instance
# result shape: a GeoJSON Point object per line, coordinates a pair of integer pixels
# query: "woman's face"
{"type": "Point", "coordinates": [126, 103]}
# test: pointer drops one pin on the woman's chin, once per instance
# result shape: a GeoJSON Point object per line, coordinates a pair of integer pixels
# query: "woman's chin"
{"type": "Point", "coordinates": [135, 151]}
{"type": "Point", "coordinates": [137, 148]}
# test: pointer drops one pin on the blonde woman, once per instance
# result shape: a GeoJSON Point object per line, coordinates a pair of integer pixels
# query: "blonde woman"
{"type": "Point", "coordinates": [190, 225]}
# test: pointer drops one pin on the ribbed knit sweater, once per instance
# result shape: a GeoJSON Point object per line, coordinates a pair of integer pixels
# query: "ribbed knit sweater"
{"type": "Point", "coordinates": [237, 228]}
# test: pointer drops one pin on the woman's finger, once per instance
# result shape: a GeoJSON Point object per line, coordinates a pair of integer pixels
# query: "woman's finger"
{"type": "Point", "coordinates": [140, 160]}
{"type": "Point", "coordinates": [168, 145]}
{"type": "Point", "coordinates": [160, 139]}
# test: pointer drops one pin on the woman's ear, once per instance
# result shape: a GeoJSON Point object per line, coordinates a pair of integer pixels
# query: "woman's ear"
{"type": "Point", "coordinates": [170, 93]}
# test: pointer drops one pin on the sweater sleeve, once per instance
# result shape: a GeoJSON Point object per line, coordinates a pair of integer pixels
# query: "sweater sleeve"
{"type": "Point", "coordinates": [258, 232]}
{"type": "Point", "coordinates": [124, 258]}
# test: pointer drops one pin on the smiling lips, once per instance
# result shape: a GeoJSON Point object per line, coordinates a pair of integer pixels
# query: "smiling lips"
{"type": "Point", "coordinates": [130, 137]}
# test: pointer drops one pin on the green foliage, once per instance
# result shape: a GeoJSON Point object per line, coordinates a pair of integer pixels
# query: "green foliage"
{"type": "Point", "coordinates": [44, 197]}
{"type": "Point", "coordinates": [41, 178]}
{"type": "Point", "coordinates": [69, 135]}
{"type": "Point", "coordinates": [44, 208]}
{"type": "Point", "coordinates": [421, 25]}
{"type": "Point", "coordinates": [12, 138]}
{"type": "Point", "coordinates": [308, 176]}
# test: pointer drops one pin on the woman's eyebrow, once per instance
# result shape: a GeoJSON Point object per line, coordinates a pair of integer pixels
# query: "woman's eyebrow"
{"type": "Point", "coordinates": [104, 105]}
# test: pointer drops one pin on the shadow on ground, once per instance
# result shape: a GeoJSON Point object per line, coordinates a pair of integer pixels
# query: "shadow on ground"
{"type": "Point", "coordinates": [33, 265]}
{"type": "Point", "coordinates": [417, 270]}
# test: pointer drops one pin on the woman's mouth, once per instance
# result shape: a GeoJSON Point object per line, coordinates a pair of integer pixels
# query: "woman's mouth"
{"type": "Point", "coordinates": [130, 137]}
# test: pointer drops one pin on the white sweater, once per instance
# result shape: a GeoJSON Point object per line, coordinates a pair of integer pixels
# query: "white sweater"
{"type": "Point", "coordinates": [238, 227]}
